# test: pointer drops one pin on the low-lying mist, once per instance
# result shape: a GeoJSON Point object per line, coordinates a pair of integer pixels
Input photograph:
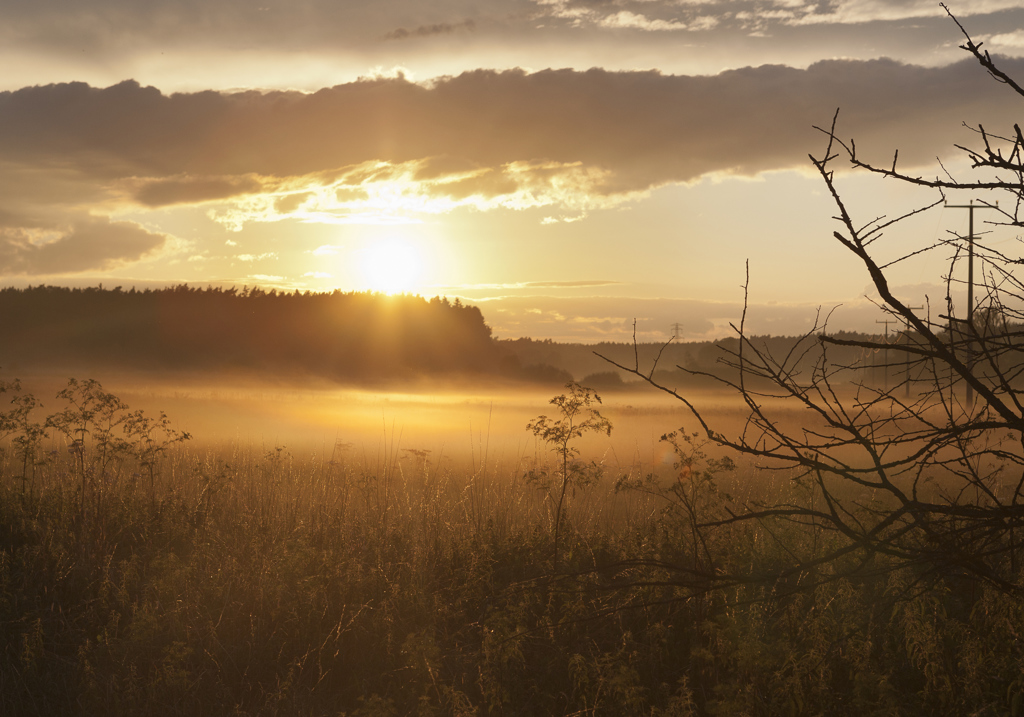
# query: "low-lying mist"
{"type": "Point", "coordinates": [467, 424]}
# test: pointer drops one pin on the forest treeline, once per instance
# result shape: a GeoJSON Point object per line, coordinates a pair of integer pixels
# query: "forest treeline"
{"type": "Point", "coordinates": [692, 363]}
{"type": "Point", "coordinates": [340, 335]}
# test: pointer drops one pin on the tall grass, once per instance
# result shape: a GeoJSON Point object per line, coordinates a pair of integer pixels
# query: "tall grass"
{"type": "Point", "coordinates": [395, 582]}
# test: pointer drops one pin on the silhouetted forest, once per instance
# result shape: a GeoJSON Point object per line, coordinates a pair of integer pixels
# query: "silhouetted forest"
{"type": "Point", "coordinates": [678, 364]}
{"type": "Point", "coordinates": [342, 336]}
{"type": "Point", "coordinates": [337, 335]}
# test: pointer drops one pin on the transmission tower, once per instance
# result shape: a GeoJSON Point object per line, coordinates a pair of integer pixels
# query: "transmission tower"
{"type": "Point", "coordinates": [970, 283]}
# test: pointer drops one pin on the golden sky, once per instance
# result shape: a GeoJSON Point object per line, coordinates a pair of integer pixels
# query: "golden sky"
{"type": "Point", "coordinates": [569, 166]}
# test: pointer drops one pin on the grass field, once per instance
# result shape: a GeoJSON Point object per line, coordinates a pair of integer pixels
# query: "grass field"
{"type": "Point", "coordinates": [330, 553]}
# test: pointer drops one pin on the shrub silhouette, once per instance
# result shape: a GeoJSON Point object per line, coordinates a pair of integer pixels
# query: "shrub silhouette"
{"type": "Point", "coordinates": [578, 416]}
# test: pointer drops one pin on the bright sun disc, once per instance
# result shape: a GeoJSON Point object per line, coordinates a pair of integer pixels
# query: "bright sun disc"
{"type": "Point", "coordinates": [391, 266]}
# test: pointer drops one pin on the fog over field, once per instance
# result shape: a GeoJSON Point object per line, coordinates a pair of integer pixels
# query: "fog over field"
{"type": "Point", "coordinates": [463, 423]}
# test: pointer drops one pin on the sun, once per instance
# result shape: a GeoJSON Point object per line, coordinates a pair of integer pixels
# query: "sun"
{"type": "Point", "coordinates": [391, 266]}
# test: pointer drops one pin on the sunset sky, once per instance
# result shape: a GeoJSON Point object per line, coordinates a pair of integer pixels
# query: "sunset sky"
{"type": "Point", "coordinates": [567, 165]}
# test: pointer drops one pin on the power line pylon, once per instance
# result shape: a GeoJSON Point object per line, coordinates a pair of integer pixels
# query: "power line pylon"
{"type": "Point", "coordinates": [970, 286]}
{"type": "Point", "coordinates": [885, 355]}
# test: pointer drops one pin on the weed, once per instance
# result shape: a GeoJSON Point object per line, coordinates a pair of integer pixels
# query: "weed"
{"type": "Point", "coordinates": [579, 416]}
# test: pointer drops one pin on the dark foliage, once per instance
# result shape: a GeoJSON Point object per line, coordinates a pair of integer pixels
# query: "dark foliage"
{"type": "Point", "coordinates": [347, 336]}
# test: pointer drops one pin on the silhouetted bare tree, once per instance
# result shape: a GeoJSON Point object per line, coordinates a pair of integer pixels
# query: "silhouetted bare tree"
{"type": "Point", "coordinates": [920, 470]}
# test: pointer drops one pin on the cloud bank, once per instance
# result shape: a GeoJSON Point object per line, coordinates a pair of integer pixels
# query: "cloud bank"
{"type": "Point", "coordinates": [386, 148]}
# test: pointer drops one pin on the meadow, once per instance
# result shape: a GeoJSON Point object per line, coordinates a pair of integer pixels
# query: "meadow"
{"type": "Point", "coordinates": [315, 551]}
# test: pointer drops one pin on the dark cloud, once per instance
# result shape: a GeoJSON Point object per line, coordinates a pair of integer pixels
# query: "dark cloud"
{"type": "Point", "coordinates": [442, 28]}
{"type": "Point", "coordinates": [648, 126]}
{"type": "Point", "coordinates": [192, 190]}
{"type": "Point", "coordinates": [618, 131]}
{"type": "Point", "coordinates": [88, 244]}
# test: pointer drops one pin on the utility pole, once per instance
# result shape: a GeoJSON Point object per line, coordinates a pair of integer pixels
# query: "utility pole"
{"type": "Point", "coordinates": [677, 331]}
{"type": "Point", "coordinates": [970, 285]}
{"type": "Point", "coordinates": [906, 336]}
{"type": "Point", "coordinates": [885, 356]}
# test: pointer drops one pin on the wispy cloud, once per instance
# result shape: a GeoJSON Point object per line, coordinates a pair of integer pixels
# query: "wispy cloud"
{"type": "Point", "coordinates": [567, 284]}
{"type": "Point", "coordinates": [531, 285]}
{"type": "Point", "coordinates": [706, 15]}
{"type": "Point", "coordinates": [257, 257]}
{"type": "Point", "coordinates": [847, 12]}
{"type": "Point", "coordinates": [326, 250]}
{"type": "Point", "coordinates": [619, 319]}
{"type": "Point", "coordinates": [633, 21]}
{"type": "Point", "coordinates": [1008, 41]}
{"type": "Point", "coordinates": [441, 28]}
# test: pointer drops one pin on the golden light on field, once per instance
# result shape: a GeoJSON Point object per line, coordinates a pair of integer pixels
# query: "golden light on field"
{"type": "Point", "coordinates": [392, 266]}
